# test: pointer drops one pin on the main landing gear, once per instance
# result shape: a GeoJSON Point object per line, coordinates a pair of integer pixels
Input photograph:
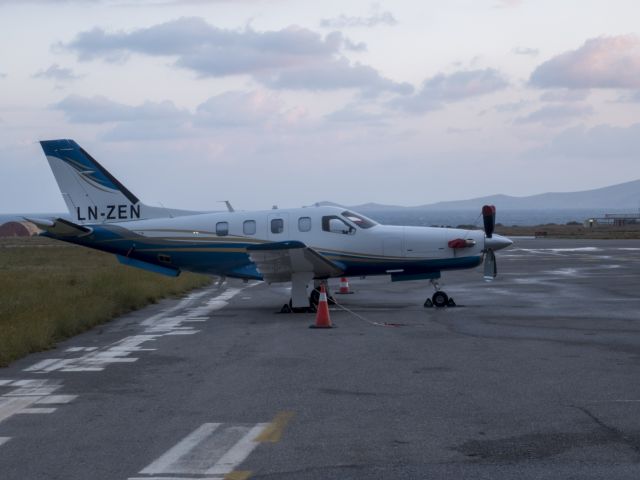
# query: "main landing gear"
{"type": "Point", "coordinates": [314, 299]}
{"type": "Point", "coordinates": [439, 299]}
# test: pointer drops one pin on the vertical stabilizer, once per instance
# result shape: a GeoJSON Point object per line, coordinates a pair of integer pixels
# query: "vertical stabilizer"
{"type": "Point", "coordinates": [91, 193]}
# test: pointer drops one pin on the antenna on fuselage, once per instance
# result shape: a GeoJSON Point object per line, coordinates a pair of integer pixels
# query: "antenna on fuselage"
{"type": "Point", "coordinates": [228, 204]}
{"type": "Point", "coordinates": [166, 210]}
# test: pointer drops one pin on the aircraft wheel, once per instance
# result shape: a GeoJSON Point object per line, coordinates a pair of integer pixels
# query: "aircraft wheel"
{"type": "Point", "coordinates": [314, 298]}
{"type": "Point", "coordinates": [292, 309]}
{"type": "Point", "coordinates": [440, 299]}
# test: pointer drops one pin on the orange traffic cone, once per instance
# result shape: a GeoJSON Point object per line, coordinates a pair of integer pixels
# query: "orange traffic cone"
{"type": "Point", "coordinates": [344, 287]}
{"type": "Point", "coordinates": [322, 316]}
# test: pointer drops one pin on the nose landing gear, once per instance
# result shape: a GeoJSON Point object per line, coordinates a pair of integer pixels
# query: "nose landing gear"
{"type": "Point", "coordinates": [439, 299]}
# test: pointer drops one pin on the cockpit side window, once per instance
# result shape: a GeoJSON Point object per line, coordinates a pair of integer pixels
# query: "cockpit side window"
{"type": "Point", "coordinates": [334, 224]}
{"type": "Point", "coordinates": [359, 220]}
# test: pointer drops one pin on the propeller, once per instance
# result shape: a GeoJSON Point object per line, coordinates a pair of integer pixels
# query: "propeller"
{"type": "Point", "coordinates": [490, 266]}
{"type": "Point", "coordinates": [489, 219]}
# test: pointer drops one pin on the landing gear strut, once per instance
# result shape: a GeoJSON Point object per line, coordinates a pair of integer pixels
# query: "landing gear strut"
{"type": "Point", "coordinates": [439, 299]}
{"type": "Point", "coordinates": [304, 304]}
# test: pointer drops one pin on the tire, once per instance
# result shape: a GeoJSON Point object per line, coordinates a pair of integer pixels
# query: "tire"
{"type": "Point", "coordinates": [314, 298]}
{"type": "Point", "coordinates": [440, 299]}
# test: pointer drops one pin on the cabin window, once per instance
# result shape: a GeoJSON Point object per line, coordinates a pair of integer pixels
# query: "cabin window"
{"type": "Point", "coordinates": [164, 258]}
{"type": "Point", "coordinates": [333, 224]}
{"type": "Point", "coordinates": [222, 228]}
{"type": "Point", "coordinates": [359, 220]}
{"type": "Point", "coordinates": [249, 227]}
{"type": "Point", "coordinates": [304, 224]}
{"type": "Point", "coordinates": [277, 225]}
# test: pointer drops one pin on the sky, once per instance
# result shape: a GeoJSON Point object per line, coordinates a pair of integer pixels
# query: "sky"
{"type": "Point", "coordinates": [291, 102]}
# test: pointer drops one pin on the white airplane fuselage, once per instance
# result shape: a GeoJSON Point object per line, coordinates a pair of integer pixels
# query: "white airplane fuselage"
{"type": "Point", "coordinates": [215, 243]}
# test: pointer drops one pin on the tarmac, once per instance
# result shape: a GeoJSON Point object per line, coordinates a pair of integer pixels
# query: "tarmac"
{"type": "Point", "coordinates": [534, 375]}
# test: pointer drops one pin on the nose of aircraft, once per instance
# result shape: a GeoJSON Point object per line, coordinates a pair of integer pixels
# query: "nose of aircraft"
{"type": "Point", "coordinates": [497, 242]}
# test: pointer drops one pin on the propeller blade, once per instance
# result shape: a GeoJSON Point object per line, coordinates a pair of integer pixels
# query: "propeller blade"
{"type": "Point", "coordinates": [490, 266]}
{"type": "Point", "coordinates": [489, 218]}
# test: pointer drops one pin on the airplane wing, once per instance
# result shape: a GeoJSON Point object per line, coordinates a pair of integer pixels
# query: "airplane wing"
{"type": "Point", "coordinates": [277, 262]}
{"type": "Point", "coordinates": [59, 227]}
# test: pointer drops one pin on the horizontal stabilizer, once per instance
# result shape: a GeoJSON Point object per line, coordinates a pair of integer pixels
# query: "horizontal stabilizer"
{"type": "Point", "coordinates": [60, 227]}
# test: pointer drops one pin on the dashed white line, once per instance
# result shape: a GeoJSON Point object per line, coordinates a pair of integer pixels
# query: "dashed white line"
{"type": "Point", "coordinates": [165, 463]}
{"type": "Point", "coordinates": [28, 395]}
{"type": "Point", "coordinates": [238, 453]}
{"type": "Point", "coordinates": [162, 324]}
{"type": "Point", "coordinates": [11, 406]}
{"type": "Point", "coordinates": [37, 410]}
{"type": "Point", "coordinates": [176, 478]}
{"type": "Point", "coordinates": [56, 399]}
{"type": "Point", "coordinates": [211, 449]}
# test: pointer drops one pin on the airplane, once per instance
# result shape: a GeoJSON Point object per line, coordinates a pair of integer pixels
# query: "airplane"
{"type": "Point", "coordinates": [304, 246]}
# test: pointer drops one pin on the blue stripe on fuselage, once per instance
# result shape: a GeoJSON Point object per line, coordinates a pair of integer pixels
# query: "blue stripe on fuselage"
{"type": "Point", "coordinates": [231, 259]}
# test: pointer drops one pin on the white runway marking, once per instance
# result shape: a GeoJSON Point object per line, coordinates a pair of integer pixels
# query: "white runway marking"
{"type": "Point", "coordinates": [166, 323]}
{"type": "Point", "coordinates": [176, 478]}
{"type": "Point", "coordinates": [38, 410]}
{"type": "Point", "coordinates": [4, 440]}
{"type": "Point", "coordinates": [27, 395]}
{"type": "Point", "coordinates": [239, 452]}
{"type": "Point", "coordinates": [165, 462]}
{"type": "Point", "coordinates": [212, 449]}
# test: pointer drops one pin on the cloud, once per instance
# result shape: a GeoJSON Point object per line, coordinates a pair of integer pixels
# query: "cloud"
{"type": "Point", "coordinates": [509, 3]}
{"type": "Point", "coordinates": [442, 89]}
{"type": "Point", "coordinates": [57, 73]}
{"type": "Point", "coordinates": [604, 62]}
{"type": "Point", "coordinates": [128, 3]}
{"type": "Point", "coordinates": [292, 57]}
{"type": "Point", "coordinates": [564, 95]}
{"type": "Point", "coordinates": [355, 114]}
{"type": "Point", "coordinates": [334, 74]}
{"type": "Point", "coordinates": [100, 109]}
{"type": "Point", "coordinates": [601, 142]}
{"type": "Point", "coordinates": [526, 51]}
{"type": "Point", "coordinates": [163, 120]}
{"type": "Point", "coordinates": [235, 109]}
{"type": "Point", "coordinates": [376, 18]}
{"type": "Point", "coordinates": [556, 114]}
{"type": "Point", "coordinates": [633, 97]}
{"type": "Point", "coordinates": [511, 106]}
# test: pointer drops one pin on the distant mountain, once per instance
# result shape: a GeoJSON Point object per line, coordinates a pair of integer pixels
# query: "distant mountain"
{"type": "Point", "coordinates": [624, 196]}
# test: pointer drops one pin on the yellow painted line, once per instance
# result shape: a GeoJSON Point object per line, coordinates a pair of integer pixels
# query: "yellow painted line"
{"type": "Point", "coordinates": [273, 432]}
{"type": "Point", "coordinates": [238, 475]}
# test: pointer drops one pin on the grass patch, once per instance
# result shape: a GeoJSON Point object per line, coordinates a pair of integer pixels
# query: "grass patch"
{"type": "Point", "coordinates": [50, 291]}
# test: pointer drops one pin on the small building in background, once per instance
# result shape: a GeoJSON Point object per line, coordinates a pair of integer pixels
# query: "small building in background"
{"type": "Point", "coordinates": [18, 229]}
{"type": "Point", "coordinates": [614, 220]}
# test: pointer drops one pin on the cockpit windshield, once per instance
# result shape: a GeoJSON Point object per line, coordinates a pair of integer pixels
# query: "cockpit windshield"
{"type": "Point", "coordinates": [359, 220]}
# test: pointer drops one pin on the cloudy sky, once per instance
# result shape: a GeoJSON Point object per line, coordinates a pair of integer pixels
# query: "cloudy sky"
{"type": "Point", "coordinates": [290, 102]}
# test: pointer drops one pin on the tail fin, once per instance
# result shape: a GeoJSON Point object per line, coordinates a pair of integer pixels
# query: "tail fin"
{"type": "Point", "coordinates": [91, 193]}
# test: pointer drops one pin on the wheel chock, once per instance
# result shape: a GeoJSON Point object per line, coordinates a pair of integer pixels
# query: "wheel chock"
{"type": "Point", "coordinates": [428, 303]}
{"type": "Point", "coordinates": [285, 308]}
{"type": "Point", "coordinates": [451, 303]}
